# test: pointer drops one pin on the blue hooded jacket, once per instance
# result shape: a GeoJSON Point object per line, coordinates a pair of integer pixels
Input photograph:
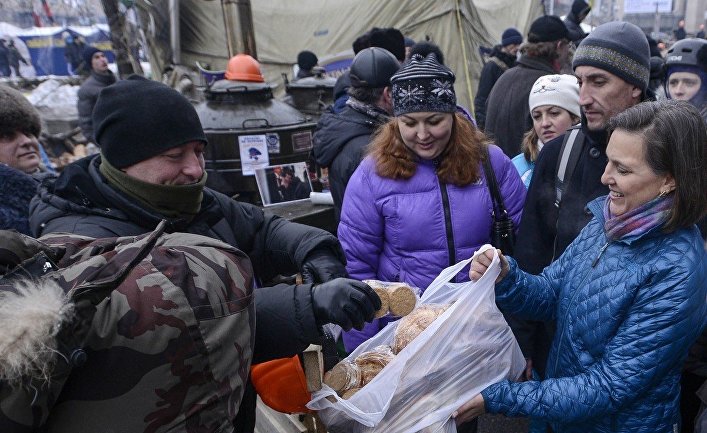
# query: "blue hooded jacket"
{"type": "Point", "coordinates": [627, 311]}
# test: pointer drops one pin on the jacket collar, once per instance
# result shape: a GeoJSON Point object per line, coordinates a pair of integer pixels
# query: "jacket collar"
{"type": "Point", "coordinates": [106, 78]}
{"type": "Point", "coordinates": [537, 63]}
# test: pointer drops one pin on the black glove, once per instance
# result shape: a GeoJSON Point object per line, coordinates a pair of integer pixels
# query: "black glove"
{"type": "Point", "coordinates": [321, 266]}
{"type": "Point", "coordinates": [347, 303]}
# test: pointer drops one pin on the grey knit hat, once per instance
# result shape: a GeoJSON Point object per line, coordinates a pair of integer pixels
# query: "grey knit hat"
{"type": "Point", "coordinates": [617, 47]}
{"type": "Point", "coordinates": [17, 114]}
{"type": "Point", "coordinates": [423, 84]}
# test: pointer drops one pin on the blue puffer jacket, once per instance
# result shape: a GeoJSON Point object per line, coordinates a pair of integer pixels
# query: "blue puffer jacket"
{"type": "Point", "coordinates": [626, 312]}
{"type": "Point", "coordinates": [409, 230]}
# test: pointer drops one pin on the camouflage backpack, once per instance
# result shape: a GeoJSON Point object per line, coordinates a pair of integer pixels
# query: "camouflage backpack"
{"type": "Point", "coordinates": [136, 334]}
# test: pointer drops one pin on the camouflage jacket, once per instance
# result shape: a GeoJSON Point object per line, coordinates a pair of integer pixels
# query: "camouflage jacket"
{"type": "Point", "coordinates": [152, 333]}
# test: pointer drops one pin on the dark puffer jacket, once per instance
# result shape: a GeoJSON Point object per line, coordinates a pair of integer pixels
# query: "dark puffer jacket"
{"type": "Point", "coordinates": [507, 111]}
{"type": "Point", "coordinates": [627, 311]}
{"type": "Point", "coordinates": [88, 95]}
{"type": "Point", "coordinates": [81, 202]}
{"type": "Point", "coordinates": [339, 143]}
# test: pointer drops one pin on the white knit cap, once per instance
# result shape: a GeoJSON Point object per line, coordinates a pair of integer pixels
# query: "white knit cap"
{"type": "Point", "coordinates": [559, 90]}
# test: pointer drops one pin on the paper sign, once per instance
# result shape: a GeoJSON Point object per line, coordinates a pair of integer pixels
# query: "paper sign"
{"type": "Point", "coordinates": [254, 153]}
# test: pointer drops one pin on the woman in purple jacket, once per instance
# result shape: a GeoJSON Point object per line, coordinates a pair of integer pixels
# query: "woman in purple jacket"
{"type": "Point", "coordinates": [418, 202]}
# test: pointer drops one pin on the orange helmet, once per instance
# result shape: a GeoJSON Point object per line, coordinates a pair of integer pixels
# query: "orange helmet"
{"type": "Point", "coordinates": [243, 67]}
{"type": "Point", "coordinates": [281, 385]}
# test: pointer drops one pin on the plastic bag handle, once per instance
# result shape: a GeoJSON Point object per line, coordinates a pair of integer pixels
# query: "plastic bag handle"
{"type": "Point", "coordinates": [449, 273]}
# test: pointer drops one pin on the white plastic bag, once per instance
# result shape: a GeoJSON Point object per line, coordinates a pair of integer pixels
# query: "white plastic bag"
{"type": "Point", "coordinates": [466, 349]}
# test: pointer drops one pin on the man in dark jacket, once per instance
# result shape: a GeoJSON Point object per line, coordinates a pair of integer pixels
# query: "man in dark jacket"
{"type": "Point", "coordinates": [292, 187]}
{"type": "Point", "coordinates": [680, 33]}
{"type": "Point", "coordinates": [607, 87]}
{"type": "Point", "coordinates": [14, 58]}
{"type": "Point", "coordinates": [151, 168]}
{"type": "Point", "coordinates": [501, 59]}
{"type": "Point", "coordinates": [100, 77]}
{"type": "Point", "coordinates": [507, 112]}
{"type": "Point", "coordinates": [73, 54]}
{"type": "Point", "coordinates": [4, 59]}
{"type": "Point", "coordinates": [340, 139]}
{"type": "Point", "coordinates": [573, 20]}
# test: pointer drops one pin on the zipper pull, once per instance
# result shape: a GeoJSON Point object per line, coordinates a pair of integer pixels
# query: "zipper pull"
{"type": "Point", "coordinates": [601, 251]}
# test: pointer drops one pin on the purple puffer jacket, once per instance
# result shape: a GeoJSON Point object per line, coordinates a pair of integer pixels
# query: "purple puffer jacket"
{"type": "Point", "coordinates": [395, 230]}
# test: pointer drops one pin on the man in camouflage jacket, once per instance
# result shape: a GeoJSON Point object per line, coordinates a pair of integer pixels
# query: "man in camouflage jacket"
{"type": "Point", "coordinates": [151, 168]}
{"type": "Point", "coordinates": [153, 333]}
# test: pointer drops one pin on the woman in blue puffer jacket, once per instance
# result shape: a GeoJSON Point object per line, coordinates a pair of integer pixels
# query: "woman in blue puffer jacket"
{"type": "Point", "coordinates": [629, 294]}
{"type": "Point", "coordinates": [419, 202]}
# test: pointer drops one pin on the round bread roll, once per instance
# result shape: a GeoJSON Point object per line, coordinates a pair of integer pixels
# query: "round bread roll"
{"type": "Point", "coordinates": [344, 376]}
{"type": "Point", "coordinates": [402, 299]}
{"type": "Point", "coordinates": [414, 323]}
{"type": "Point", "coordinates": [385, 302]}
{"type": "Point", "coordinates": [372, 362]}
{"type": "Point", "coordinates": [349, 393]}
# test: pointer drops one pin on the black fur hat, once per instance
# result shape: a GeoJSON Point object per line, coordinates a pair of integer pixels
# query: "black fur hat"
{"type": "Point", "coordinates": [17, 114]}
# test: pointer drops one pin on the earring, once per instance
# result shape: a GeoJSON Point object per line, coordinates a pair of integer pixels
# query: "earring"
{"type": "Point", "coordinates": [663, 193]}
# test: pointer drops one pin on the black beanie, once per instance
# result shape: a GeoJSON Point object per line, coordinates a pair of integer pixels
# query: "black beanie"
{"type": "Point", "coordinates": [87, 56]}
{"type": "Point", "coordinates": [547, 28]}
{"type": "Point", "coordinates": [137, 119]}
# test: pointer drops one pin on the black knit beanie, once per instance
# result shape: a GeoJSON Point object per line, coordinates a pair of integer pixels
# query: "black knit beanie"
{"type": "Point", "coordinates": [137, 119]}
{"type": "Point", "coordinates": [87, 55]}
{"type": "Point", "coordinates": [17, 114]}
{"type": "Point", "coordinates": [617, 47]}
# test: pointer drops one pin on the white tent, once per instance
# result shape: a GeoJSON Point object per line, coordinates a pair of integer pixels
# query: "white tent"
{"type": "Point", "coordinates": [328, 28]}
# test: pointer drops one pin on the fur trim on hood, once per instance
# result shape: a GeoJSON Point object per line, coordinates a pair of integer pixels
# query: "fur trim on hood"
{"type": "Point", "coordinates": [31, 316]}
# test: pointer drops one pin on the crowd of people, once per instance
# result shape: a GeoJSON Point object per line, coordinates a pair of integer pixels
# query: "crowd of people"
{"type": "Point", "coordinates": [602, 182]}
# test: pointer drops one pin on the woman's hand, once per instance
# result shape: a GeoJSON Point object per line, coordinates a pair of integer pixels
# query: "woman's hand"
{"type": "Point", "coordinates": [470, 410]}
{"type": "Point", "coordinates": [482, 262]}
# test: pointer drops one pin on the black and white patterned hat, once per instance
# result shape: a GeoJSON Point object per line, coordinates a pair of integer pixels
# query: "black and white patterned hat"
{"type": "Point", "coordinates": [423, 84]}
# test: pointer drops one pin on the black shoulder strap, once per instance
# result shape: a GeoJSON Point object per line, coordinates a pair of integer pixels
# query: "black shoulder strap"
{"type": "Point", "coordinates": [567, 161]}
{"type": "Point", "coordinates": [499, 207]}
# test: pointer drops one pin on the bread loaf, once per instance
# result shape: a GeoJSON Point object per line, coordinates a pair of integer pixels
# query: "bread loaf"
{"type": "Point", "coordinates": [402, 299]}
{"type": "Point", "coordinates": [346, 395]}
{"type": "Point", "coordinates": [344, 376]}
{"type": "Point", "coordinates": [398, 299]}
{"type": "Point", "coordinates": [414, 323]}
{"type": "Point", "coordinates": [372, 362]}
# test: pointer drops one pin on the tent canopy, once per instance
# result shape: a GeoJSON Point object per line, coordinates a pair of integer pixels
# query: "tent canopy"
{"type": "Point", "coordinates": [46, 45]}
{"type": "Point", "coordinates": [328, 28]}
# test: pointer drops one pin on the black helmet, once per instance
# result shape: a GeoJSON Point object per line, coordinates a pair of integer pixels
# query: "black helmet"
{"type": "Point", "coordinates": [373, 67]}
{"type": "Point", "coordinates": [688, 52]}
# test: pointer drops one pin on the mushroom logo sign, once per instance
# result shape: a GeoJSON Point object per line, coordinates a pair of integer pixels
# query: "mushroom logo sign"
{"type": "Point", "coordinates": [254, 153]}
